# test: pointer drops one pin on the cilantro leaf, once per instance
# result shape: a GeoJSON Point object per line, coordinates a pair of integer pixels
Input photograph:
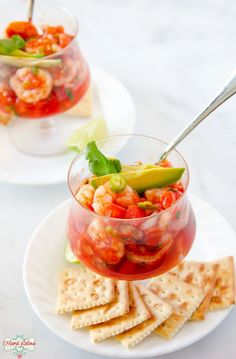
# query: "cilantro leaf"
{"type": "Point", "coordinates": [69, 94]}
{"type": "Point", "coordinates": [117, 164]}
{"type": "Point", "coordinates": [99, 164]}
{"type": "Point", "coordinates": [7, 46]}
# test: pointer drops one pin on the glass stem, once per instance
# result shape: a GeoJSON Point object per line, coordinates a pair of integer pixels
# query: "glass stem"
{"type": "Point", "coordinates": [46, 124]}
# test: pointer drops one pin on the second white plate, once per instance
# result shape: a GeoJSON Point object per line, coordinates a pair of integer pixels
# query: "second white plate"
{"type": "Point", "coordinates": [44, 260]}
{"type": "Point", "coordinates": [119, 112]}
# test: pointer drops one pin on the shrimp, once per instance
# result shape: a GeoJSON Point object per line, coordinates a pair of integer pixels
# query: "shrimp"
{"type": "Point", "coordinates": [129, 233]}
{"type": "Point", "coordinates": [85, 195]}
{"type": "Point", "coordinates": [153, 195]}
{"type": "Point", "coordinates": [30, 87]}
{"type": "Point", "coordinates": [5, 72]}
{"type": "Point", "coordinates": [65, 73]}
{"type": "Point", "coordinates": [104, 196]}
{"type": "Point", "coordinates": [109, 246]}
{"type": "Point", "coordinates": [127, 197]}
{"type": "Point", "coordinates": [96, 230]}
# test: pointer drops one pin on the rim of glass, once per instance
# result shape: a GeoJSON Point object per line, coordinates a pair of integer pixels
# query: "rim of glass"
{"type": "Point", "coordinates": [60, 6]}
{"type": "Point", "coordinates": [130, 219]}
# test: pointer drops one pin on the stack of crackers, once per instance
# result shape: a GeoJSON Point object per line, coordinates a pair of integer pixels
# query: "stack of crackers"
{"type": "Point", "coordinates": [129, 312]}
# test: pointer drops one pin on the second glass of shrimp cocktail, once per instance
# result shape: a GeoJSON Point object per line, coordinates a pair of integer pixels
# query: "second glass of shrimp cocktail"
{"type": "Point", "coordinates": [130, 217]}
{"type": "Point", "coordinates": [42, 75]}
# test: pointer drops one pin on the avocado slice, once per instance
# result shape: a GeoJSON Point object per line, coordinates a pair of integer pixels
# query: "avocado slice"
{"type": "Point", "coordinates": [141, 180]}
{"type": "Point", "coordinates": [128, 168]}
{"type": "Point", "coordinates": [29, 61]}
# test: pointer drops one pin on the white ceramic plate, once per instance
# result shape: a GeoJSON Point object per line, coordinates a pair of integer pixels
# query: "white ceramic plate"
{"type": "Point", "coordinates": [44, 259]}
{"type": "Point", "coordinates": [118, 110]}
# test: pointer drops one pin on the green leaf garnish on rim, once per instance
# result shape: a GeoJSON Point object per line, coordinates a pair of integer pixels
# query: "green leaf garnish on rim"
{"type": "Point", "coordinates": [99, 164]}
{"type": "Point", "coordinates": [8, 46]}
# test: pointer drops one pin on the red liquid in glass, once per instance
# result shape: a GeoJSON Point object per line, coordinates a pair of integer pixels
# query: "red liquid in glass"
{"type": "Point", "coordinates": [70, 78]}
{"type": "Point", "coordinates": [60, 100]}
{"type": "Point", "coordinates": [144, 257]}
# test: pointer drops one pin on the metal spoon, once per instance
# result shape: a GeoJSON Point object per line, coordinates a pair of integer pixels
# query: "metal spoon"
{"type": "Point", "coordinates": [228, 90]}
{"type": "Point", "coordinates": [30, 9]}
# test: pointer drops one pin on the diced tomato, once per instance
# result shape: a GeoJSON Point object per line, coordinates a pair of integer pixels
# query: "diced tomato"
{"type": "Point", "coordinates": [36, 110]}
{"type": "Point", "coordinates": [178, 186]}
{"type": "Point", "coordinates": [115, 211]}
{"type": "Point", "coordinates": [133, 211]}
{"type": "Point", "coordinates": [25, 29]}
{"type": "Point", "coordinates": [165, 163]}
{"type": "Point", "coordinates": [89, 205]}
{"type": "Point", "coordinates": [53, 30]}
{"type": "Point", "coordinates": [7, 96]}
{"type": "Point", "coordinates": [64, 40]}
{"type": "Point", "coordinates": [167, 198]}
{"type": "Point", "coordinates": [46, 45]}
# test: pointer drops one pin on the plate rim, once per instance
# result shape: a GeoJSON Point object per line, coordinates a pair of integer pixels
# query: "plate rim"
{"type": "Point", "coordinates": [66, 203]}
{"type": "Point", "coordinates": [93, 68]}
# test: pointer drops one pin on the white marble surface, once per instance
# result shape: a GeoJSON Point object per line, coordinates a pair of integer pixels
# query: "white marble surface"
{"type": "Point", "coordinates": [172, 55]}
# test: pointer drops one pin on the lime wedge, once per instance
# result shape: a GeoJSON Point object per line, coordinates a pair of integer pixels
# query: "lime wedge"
{"type": "Point", "coordinates": [93, 130]}
{"type": "Point", "coordinates": [69, 255]}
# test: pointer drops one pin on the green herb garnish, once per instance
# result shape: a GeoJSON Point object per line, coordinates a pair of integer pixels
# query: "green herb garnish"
{"type": "Point", "coordinates": [7, 46]}
{"type": "Point", "coordinates": [69, 94]}
{"type": "Point", "coordinates": [99, 164]}
{"type": "Point", "coordinates": [14, 46]}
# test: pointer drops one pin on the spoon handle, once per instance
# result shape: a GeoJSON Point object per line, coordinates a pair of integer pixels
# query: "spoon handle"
{"type": "Point", "coordinates": [228, 90]}
{"type": "Point", "coordinates": [30, 9]}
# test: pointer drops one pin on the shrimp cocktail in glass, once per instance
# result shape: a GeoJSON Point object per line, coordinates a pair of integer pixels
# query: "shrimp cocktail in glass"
{"type": "Point", "coordinates": [42, 74]}
{"type": "Point", "coordinates": [130, 217]}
